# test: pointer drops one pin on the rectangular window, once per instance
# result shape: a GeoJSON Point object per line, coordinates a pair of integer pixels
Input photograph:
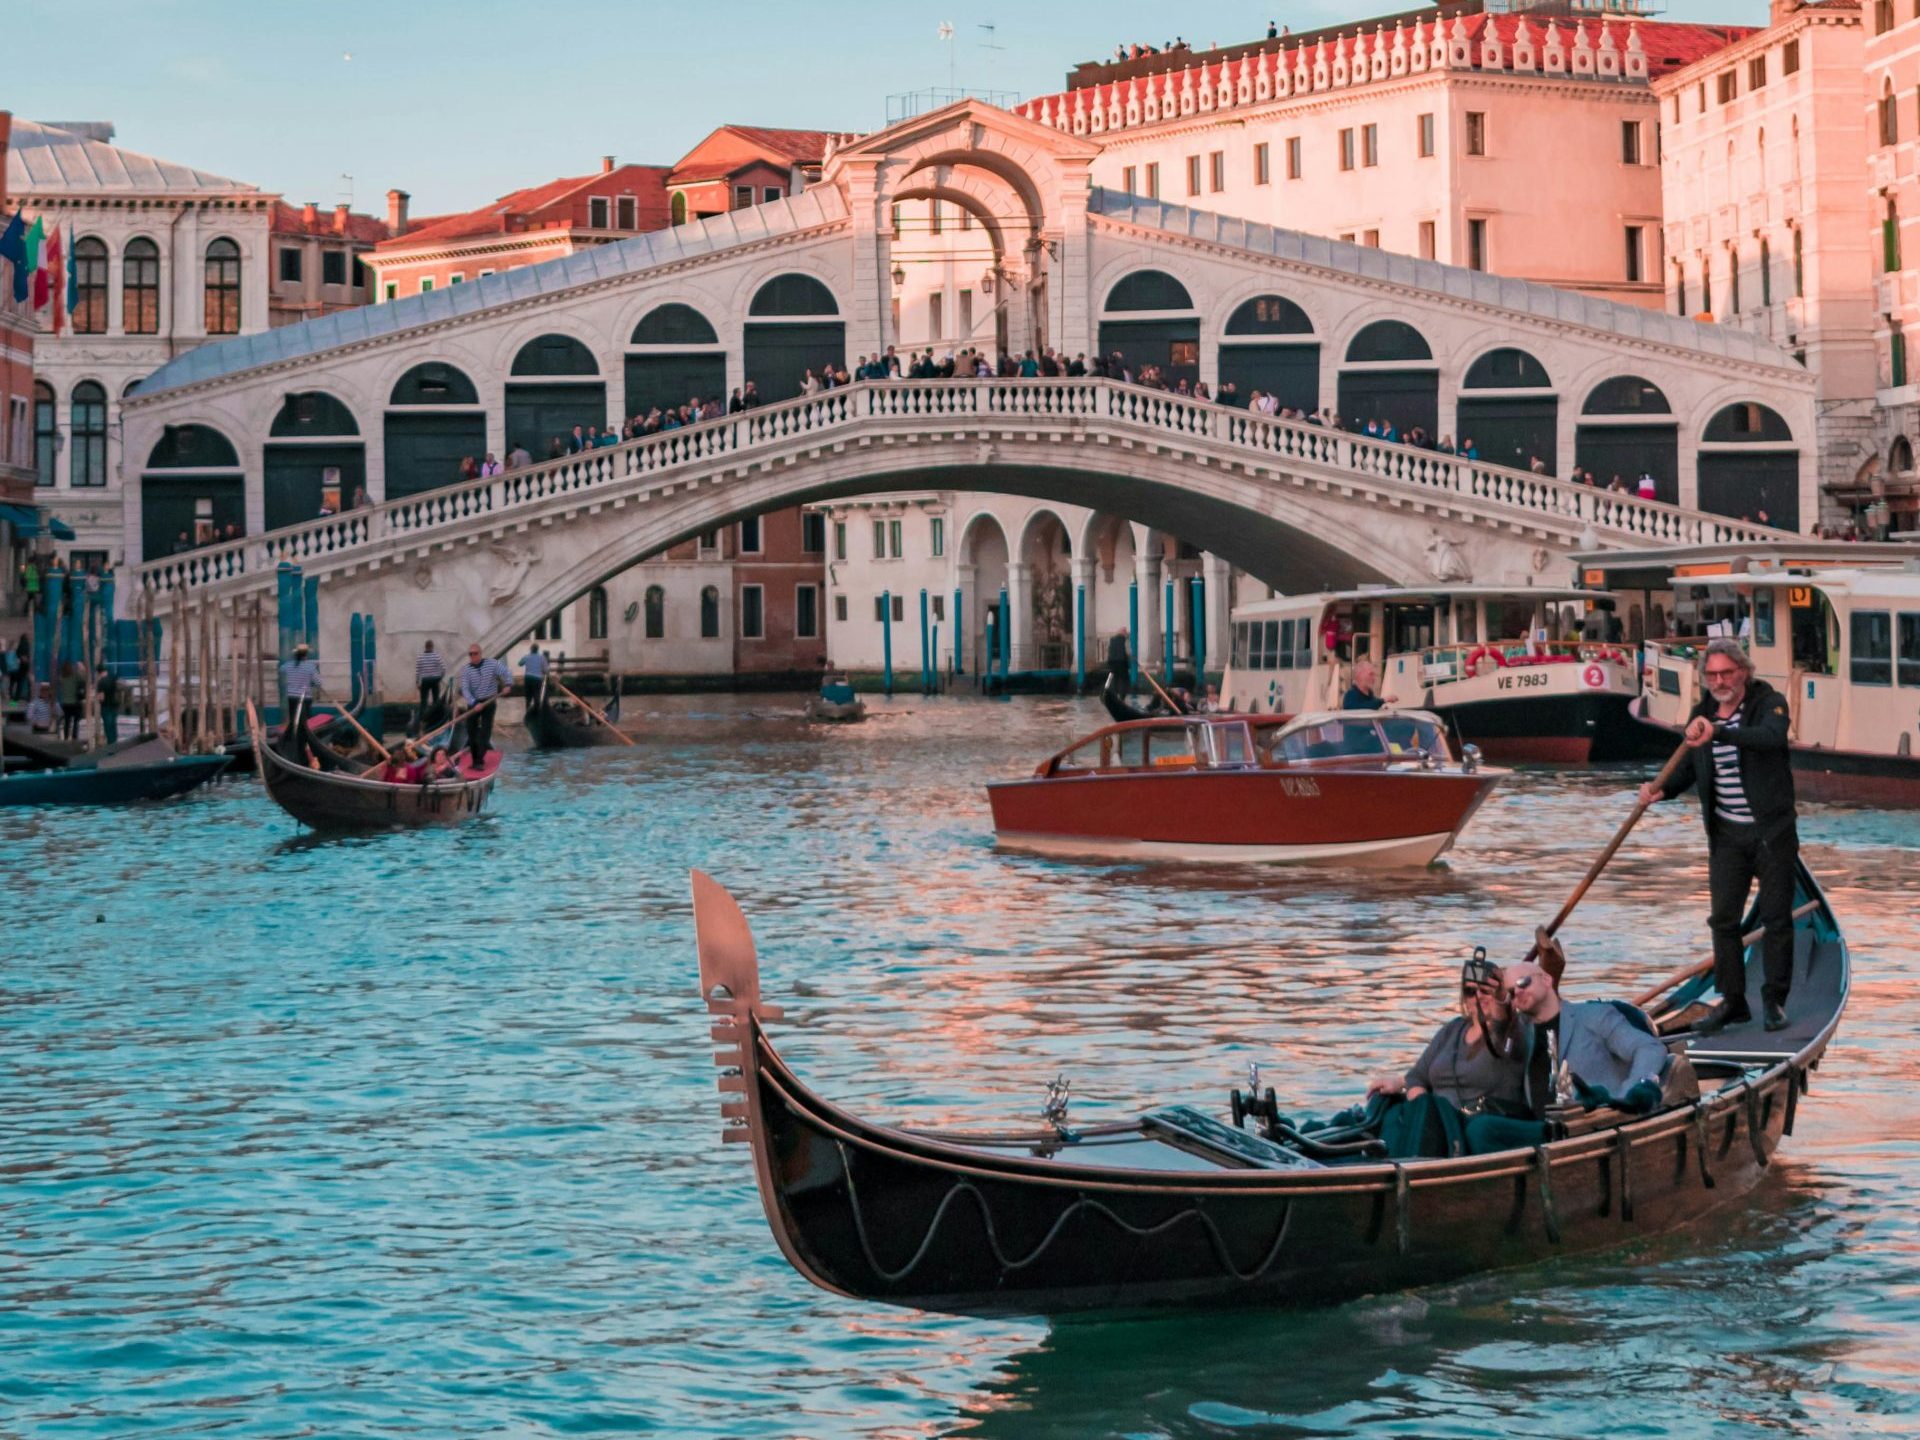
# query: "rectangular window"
{"type": "Point", "coordinates": [1426, 136]}
{"type": "Point", "coordinates": [627, 213]}
{"type": "Point", "coordinates": [1370, 145]}
{"type": "Point", "coordinates": [743, 197]}
{"type": "Point", "coordinates": [896, 221]}
{"type": "Point", "coordinates": [1870, 637]}
{"type": "Point", "coordinates": [1153, 181]}
{"type": "Point", "coordinates": [1371, 239]}
{"type": "Point", "coordinates": [840, 540]}
{"type": "Point", "coordinates": [966, 313]}
{"type": "Point", "coordinates": [1476, 244]}
{"type": "Point", "coordinates": [935, 217]}
{"type": "Point", "coordinates": [1726, 87]}
{"type": "Point", "coordinates": [936, 319]}
{"type": "Point", "coordinates": [1293, 157]}
{"type": "Point", "coordinates": [426, 283]}
{"type": "Point", "coordinates": [1700, 95]}
{"type": "Point", "coordinates": [1262, 164]}
{"type": "Point", "coordinates": [1635, 236]}
{"type": "Point", "coordinates": [1909, 647]}
{"type": "Point", "coordinates": [333, 267]}
{"type": "Point", "coordinates": [1757, 72]}
{"type": "Point", "coordinates": [771, 193]}
{"type": "Point", "coordinates": [1428, 240]}
{"type": "Point", "coordinates": [894, 533]}
{"type": "Point", "coordinates": [1346, 149]}
{"type": "Point", "coordinates": [813, 533]}
{"type": "Point", "coordinates": [899, 609]}
{"type": "Point", "coordinates": [753, 612]}
{"type": "Point", "coordinates": [750, 535]}
{"type": "Point", "coordinates": [1346, 237]}
{"type": "Point", "coordinates": [937, 536]}
{"type": "Point", "coordinates": [806, 612]}
{"type": "Point", "coordinates": [939, 607]}
{"type": "Point", "coordinates": [1217, 171]}
{"type": "Point", "coordinates": [879, 539]}
{"type": "Point", "coordinates": [290, 266]}
{"type": "Point", "coordinates": [1193, 175]}
{"type": "Point", "coordinates": [1128, 177]}
{"type": "Point", "coordinates": [1790, 58]}
{"type": "Point", "coordinates": [710, 542]}
{"type": "Point", "coordinates": [360, 273]}
{"type": "Point", "coordinates": [389, 290]}
{"type": "Point", "coordinates": [879, 609]}
{"type": "Point", "coordinates": [598, 212]}
{"type": "Point", "coordinates": [1476, 132]}
{"type": "Point", "coordinates": [840, 608]}
{"type": "Point", "coordinates": [1897, 358]}
{"type": "Point", "coordinates": [1629, 142]}
{"type": "Point", "coordinates": [458, 277]}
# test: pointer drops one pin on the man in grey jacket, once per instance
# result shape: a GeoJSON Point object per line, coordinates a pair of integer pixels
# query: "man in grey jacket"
{"type": "Point", "coordinates": [1590, 1053]}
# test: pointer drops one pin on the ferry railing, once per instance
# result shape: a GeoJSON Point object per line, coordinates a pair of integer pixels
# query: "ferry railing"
{"type": "Point", "coordinates": [910, 404]}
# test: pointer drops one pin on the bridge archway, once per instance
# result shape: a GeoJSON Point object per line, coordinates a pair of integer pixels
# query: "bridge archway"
{"type": "Point", "coordinates": [1149, 317]}
{"type": "Point", "coordinates": [1269, 345]}
{"type": "Point", "coordinates": [673, 354]}
{"type": "Point", "coordinates": [793, 326]}
{"type": "Point", "coordinates": [192, 490]}
{"type": "Point", "coordinates": [1043, 631]}
{"type": "Point", "coordinates": [433, 421]}
{"type": "Point", "coordinates": [554, 384]}
{"type": "Point", "coordinates": [1750, 465]}
{"type": "Point", "coordinates": [1628, 429]}
{"type": "Point", "coordinates": [983, 572]}
{"type": "Point", "coordinates": [1508, 405]}
{"type": "Point", "coordinates": [1390, 374]}
{"type": "Point", "coordinates": [314, 458]}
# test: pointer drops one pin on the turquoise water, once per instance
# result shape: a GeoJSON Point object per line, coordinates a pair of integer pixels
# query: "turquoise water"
{"type": "Point", "coordinates": [417, 1134]}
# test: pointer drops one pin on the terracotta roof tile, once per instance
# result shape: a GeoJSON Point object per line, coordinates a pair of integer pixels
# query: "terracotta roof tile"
{"type": "Point", "coordinates": [292, 220]}
{"type": "Point", "coordinates": [521, 210]}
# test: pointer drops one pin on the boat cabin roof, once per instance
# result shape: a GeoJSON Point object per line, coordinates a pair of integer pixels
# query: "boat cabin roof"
{"type": "Point", "coordinates": [1314, 602]}
{"type": "Point", "coordinates": [1659, 569]}
{"type": "Point", "coordinates": [1889, 585]}
{"type": "Point", "coordinates": [1316, 734]}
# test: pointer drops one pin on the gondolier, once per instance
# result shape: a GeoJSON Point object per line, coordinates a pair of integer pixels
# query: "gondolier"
{"type": "Point", "coordinates": [429, 673]}
{"type": "Point", "coordinates": [1738, 761]}
{"type": "Point", "coordinates": [300, 683]}
{"type": "Point", "coordinates": [481, 680]}
{"type": "Point", "coordinates": [535, 664]}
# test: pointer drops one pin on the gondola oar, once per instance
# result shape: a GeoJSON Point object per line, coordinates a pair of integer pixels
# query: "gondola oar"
{"type": "Point", "coordinates": [444, 725]}
{"type": "Point", "coordinates": [625, 739]}
{"type": "Point", "coordinates": [386, 756]}
{"type": "Point", "coordinates": [1548, 931]}
{"type": "Point", "coordinates": [1680, 977]}
{"type": "Point", "coordinates": [1172, 704]}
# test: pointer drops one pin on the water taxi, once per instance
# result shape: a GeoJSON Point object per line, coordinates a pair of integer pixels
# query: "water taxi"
{"type": "Point", "coordinates": [1367, 787]}
{"type": "Point", "coordinates": [1525, 673]}
{"type": "Point", "coordinates": [1835, 628]}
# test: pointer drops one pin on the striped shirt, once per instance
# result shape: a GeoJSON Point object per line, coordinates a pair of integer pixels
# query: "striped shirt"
{"type": "Point", "coordinates": [484, 681]}
{"type": "Point", "coordinates": [430, 666]}
{"type": "Point", "coordinates": [535, 664]}
{"type": "Point", "coordinates": [300, 677]}
{"type": "Point", "coordinates": [40, 714]}
{"type": "Point", "coordinates": [1729, 795]}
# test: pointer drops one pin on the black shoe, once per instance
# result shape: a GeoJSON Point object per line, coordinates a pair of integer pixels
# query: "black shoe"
{"type": "Point", "coordinates": [1774, 1014]}
{"type": "Point", "coordinates": [1721, 1016]}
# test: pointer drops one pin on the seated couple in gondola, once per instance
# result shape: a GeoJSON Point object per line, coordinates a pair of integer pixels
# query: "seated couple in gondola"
{"type": "Point", "coordinates": [405, 767]}
{"type": "Point", "coordinates": [1488, 1077]}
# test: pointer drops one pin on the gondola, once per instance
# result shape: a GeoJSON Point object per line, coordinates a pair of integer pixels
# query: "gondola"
{"type": "Point", "coordinates": [563, 724]}
{"type": "Point", "coordinates": [148, 773]}
{"type": "Point", "coordinates": [1121, 708]}
{"type": "Point", "coordinates": [342, 799]}
{"type": "Point", "coordinates": [1179, 1207]}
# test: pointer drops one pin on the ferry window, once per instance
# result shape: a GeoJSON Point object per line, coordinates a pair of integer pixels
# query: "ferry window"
{"type": "Point", "coordinates": [1763, 617]}
{"type": "Point", "coordinates": [1909, 648]}
{"type": "Point", "coordinates": [1872, 647]}
{"type": "Point", "coordinates": [1303, 644]}
{"type": "Point", "coordinates": [1809, 630]}
{"type": "Point", "coordinates": [1283, 654]}
{"type": "Point", "coordinates": [1405, 734]}
{"type": "Point", "coordinates": [1270, 645]}
{"type": "Point", "coordinates": [1239, 658]}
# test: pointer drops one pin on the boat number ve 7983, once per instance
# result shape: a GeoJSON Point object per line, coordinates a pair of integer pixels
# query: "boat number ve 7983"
{"type": "Point", "coordinates": [1520, 680]}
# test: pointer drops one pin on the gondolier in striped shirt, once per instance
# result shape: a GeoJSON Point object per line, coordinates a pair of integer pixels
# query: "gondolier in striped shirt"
{"type": "Point", "coordinates": [429, 673]}
{"type": "Point", "coordinates": [300, 684]}
{"type": "Point", "coordinates": [482, 678]}
{"type": "Point", "coordinates": [1739, 763]}
{"type": "Point", "coordinates": [535, 664]}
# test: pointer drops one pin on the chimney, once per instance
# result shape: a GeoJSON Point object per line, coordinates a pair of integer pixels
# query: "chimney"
{"type": "Point", "coordinates": [606, 164]}
{"type": "Point", "coordinates": [309, 212]}
{"type": "Point", "coordinates": [340, 213]}
{"type": "Point", "coordinates": [1782, 10]}
{"type": "Point", "coordinates": [397, 211]}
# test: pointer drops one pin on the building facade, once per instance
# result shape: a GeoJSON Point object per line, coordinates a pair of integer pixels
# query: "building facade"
{"type": "Point", "coordinates": [19, 522]}
{"type": "Point", "coordinates": [1892, 100]}
{"type": "Point", "coordinates": [1767, 216]}
{"type": "Point", "coordinates": [1525, 145]}
{"type": "Point", "coordinates": [166, 258]}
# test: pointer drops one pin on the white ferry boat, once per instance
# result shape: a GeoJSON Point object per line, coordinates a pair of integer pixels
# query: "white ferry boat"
{"type": "Point", "coordinates": [1507, 667]}
{"type": "Point", "coordinates": [1835, 628]}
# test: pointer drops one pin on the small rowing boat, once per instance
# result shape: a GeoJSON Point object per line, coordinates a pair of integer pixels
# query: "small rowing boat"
{"type": "Point", "coordinates": [339, 799]}
{"type": "Point", "coordinates": [562, 722]}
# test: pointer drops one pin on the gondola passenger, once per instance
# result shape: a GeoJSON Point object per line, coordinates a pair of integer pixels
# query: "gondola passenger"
{"type": "Point", "coordinates": [440, 765]}
{"type": "Point", "coordinates": [1468, 1069]}
{"type": "Point", "coordinates": [403, 767]}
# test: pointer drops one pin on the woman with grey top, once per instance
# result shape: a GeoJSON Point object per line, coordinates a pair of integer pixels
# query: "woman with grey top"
{"type": "Point", "coordinates": [1465, 1063]}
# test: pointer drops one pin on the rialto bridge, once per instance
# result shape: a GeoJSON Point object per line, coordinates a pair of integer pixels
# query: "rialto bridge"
{"type": "Point", "coordinates": [391, 396]}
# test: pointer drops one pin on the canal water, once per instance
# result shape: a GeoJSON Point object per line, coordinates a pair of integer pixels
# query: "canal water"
{"type": "Point", "coordinates": [418, 1134]}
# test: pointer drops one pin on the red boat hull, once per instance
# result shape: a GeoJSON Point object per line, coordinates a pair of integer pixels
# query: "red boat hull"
{"type": "Point", "coordinates": [1381, 817]}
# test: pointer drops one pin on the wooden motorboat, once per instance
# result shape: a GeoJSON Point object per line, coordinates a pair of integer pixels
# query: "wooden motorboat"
{"type": "Point", "coordinates": [1375, 787]}
{"type": "Point", "coordinates": [558, 722]}
{"type": "Point", "coordinates": [1178, 1207]}
{"type": "Point", "coordinates": [145, 770]}
{"type": "Point", "coordinates": [341, 799]}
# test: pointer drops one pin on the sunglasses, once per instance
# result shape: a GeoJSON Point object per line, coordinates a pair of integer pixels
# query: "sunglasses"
{"type": "Point", "coordinates": [1525, 982]}
{"type": "Point", "coordinates": [1726, 674]}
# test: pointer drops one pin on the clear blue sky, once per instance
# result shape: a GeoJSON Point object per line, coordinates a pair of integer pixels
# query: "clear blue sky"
{"type": "Point", "coordinates": [460, 100]}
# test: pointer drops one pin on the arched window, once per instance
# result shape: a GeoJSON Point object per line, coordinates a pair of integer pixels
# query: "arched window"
{"type": "Point", "coordinates": [679, 207]}
{"type": "Point", "coordinates": [223, 288]}
{"type": "Point", "coordinates": [46, 431]}
{"type": "Point", "coordinates": [1900, 456]}
{"type": "Point", "coordinates": [554, 355]}
{"type": "Point", "coordinates": [1269, 315]}
{"type": "Point", "coordinates": [1890, 237]}
{"type": "Point", "coordinates": [1389, 340]}
{"type": "Point", "coordinates": [674, 324]}
{"type": "Point", "coordinates": [1506, 369]}
{"type": "Point", "coordinates": [1680, 289]}
{"type": "Point", "coordinates": [1889, 116]}
{"type": "Point", "coordinates": [1760, 153]}
{"type": "Point", "coordinates": [656, 617]}
{"type": "Point", "coordinates": [597, 613]}
{"type": "Point", "coordinates": [709, 613]}
{"type": "Point", "coordinates": [90, 286]}
{"type": "Point", "coordinates": [89, 428]}
{"type": "Point", "coordinates": [434, 384]}
{"type": "Point", "coordinates": [1149, 290]}
{"type": "Point", "coordinates": [1766, 273]}
{"type": "Point", "coordinates": [793, 295]}
{"type": "Point", "coordinates": [1733, 277]}
{"type": "Point", "coordinates": [307, 413]}
{"type": "Point", "coordinates": [140, 287]}
{"type": "Point", "coordinates": [1626, 395]}
{"type": "Point", "coordinates": [193, 447]}
{"type": "Point", "coordinates": [1748, 423]}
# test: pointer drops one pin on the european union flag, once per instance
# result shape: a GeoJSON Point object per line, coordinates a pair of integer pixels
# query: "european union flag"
{"type": "Point", "coordinates": [13, 247]}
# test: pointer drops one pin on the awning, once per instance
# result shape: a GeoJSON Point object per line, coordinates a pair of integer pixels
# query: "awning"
{"type": "Point", "coordinates": [26, 522]}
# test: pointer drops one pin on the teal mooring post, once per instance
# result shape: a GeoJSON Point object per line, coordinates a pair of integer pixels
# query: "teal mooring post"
{"type": "Point", "coordinates": [933, 671]}
{"type": "Point", "coordinates": [926, 654]}
{"type": "Point", "coordinates": [886, 638]}
{"type": "Point", "coordinates": [286, 605]}
{"type": "Point", "coordinates": [1079, 638]}
{"type": "Point", "coordinates": [1166, 634]}
{"type": "Point", "coordinates": [356, 657]}
{"type": "Point", "coordinates": [1197, 600]}
{"type": "Point", "coordinates": [958, 630]}
{"type": "Point", "coordinates": [1006, 637]}
{"type": "Point", "coordinates": [1133, 635]}
{"type": "Point", "coordinates": [988, 651]}
{"type": "Point", "coordinates": [310, 612]}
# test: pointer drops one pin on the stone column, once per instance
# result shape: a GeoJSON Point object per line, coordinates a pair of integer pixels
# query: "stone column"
{"type": "Point", "coordinates": [1086, 635]}
{"type": "Point", "coordinates": [872, 282]}
{"type": "Point", "coordinates": [968, 626]}
{"type": "Point", "coordinates": [1146, 574]}
{"type": "Point", "coordinates": [1219, 608]}
{"type": "Point", "coordinates": [1020, 613]}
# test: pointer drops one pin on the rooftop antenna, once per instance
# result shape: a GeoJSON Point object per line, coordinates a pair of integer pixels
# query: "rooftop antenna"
{"type": "Point", "coordinates": [346, 188]}
{"type": "Point", "coordinates": [990, 42]}
{"type": "Point", "coordinates": [946, 39]}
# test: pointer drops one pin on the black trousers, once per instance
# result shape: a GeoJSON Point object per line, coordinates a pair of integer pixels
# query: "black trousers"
{"type": "Point", "coordinates": [1738, 856]}
{"type": "Point", "coordinates": [480, 733]}
{"type": "Point", "coordinates": [429, 702]}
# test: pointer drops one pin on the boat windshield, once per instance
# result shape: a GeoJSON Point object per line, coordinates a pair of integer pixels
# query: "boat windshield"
{"type": "Point", "coordinates": [1406, 734]}
{"type": "Point", "coordinates": [1138, 747]}
{"type": "Point", "coordinates": [1345, 738]}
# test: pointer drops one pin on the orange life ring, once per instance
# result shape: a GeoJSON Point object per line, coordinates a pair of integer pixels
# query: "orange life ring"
{"type": "Point", "coordinates": [1485, 652]}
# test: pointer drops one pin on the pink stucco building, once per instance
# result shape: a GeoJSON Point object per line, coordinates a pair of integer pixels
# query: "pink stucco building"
{"type": "Point", "coordinates": [1892, 101]}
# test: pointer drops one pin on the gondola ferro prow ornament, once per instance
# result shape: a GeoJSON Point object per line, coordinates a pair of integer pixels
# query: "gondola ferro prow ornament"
{"type": "Point", "coordinates": [730, 984]}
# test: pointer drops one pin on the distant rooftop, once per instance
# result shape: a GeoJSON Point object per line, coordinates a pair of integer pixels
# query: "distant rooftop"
{"type": "Point", "coordinates": [77, 159]}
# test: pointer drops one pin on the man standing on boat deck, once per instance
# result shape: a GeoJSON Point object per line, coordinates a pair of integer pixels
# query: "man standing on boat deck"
{"type": "Point", "coordinates": [429, 671]}
{"type": "Point", "coordinates": [535, 664]}
{"type": "Point", "coordinates": [481, 680]}
{"type": "Point", "coordinates": [1362, 693]}
{"type": "Point", "coordinates": [300, 681]}
{"type": "Point", "coordinates": [1739, 763]}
